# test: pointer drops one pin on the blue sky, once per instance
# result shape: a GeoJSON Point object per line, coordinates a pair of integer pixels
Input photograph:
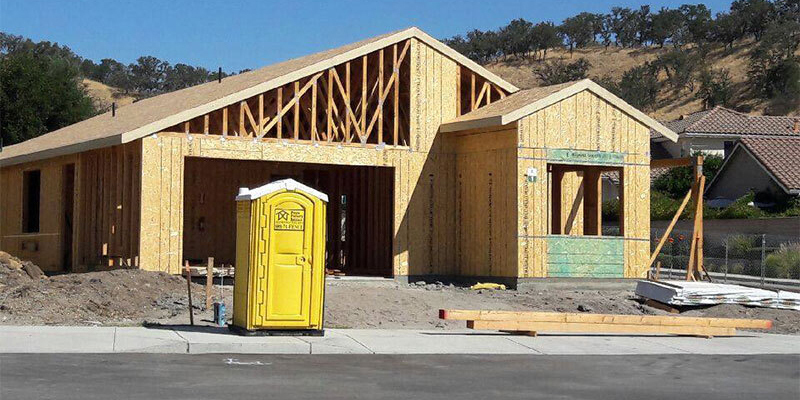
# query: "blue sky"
{"type": "Point", "coordinates": [251, 34]}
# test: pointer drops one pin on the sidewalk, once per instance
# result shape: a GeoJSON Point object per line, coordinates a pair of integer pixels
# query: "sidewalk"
{"type": "Point", "coordinates": [198, 340]}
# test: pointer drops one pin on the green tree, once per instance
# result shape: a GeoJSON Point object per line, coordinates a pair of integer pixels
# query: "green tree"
{"type": "Point", "coordinates": [624, 26]}
{"type": "Point", "coordinates": [515, 37]}
{"type": "Point", "coordinates": [39, 94]}
{"type": "Point", "coordinates": [716, 88]}
{"type": "Point", "coordinates": [581, 30]}
{"type": "Point", "coordinates": [679, 66]}
{"type": "Point", "coordinates": [774, 71]}
{"type": "Point", "coordinates": [755, 15]}
{"type": "Point", "coordinates": [555, 72]}
{"type": "Point", "coordinates": [148, 75]}
{"type": "Point", "coordinates": [544, 36]}
{"type": "Point", "coordinates": [727, 29]}
{"type": "Point", "coordinates": [639, 86]}
{"type": "Point", "coordinates": [697, 23]}
{"type": "Point", "coordinates": [663, 25]}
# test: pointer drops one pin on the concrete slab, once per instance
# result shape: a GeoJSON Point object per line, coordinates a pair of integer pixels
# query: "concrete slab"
{"type": "Point", "coordinates": [145, 340]}
{"type": "Point", "coordinates": [334, 342]}
{"type": "Point", "coordinates": [435, 342]}
{"type": "Point", "coordinates": [221, 340]}
{"type": "Point", "coordinates": [56, 339]}
{"type": "Point", "coordinates": [571, 344]}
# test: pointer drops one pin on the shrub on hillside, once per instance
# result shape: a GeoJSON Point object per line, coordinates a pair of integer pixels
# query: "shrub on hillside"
{"type": "Point", "coordinates": [555, 72]}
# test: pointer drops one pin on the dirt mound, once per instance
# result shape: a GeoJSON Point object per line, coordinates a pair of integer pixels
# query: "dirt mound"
{"type": "Point", "coordinates": [118, 297]}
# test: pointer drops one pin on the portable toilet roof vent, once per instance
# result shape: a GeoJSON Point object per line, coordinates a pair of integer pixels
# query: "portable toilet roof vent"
{"type": "Point", "coordinates": [283, 184]}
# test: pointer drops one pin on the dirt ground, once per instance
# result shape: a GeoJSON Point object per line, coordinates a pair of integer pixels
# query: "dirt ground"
{"type": "Point", "coordinates": [134, 297]}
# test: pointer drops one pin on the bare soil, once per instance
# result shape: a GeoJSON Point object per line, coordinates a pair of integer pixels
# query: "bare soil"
{"type": "Point", "coordinates": [134, 297]}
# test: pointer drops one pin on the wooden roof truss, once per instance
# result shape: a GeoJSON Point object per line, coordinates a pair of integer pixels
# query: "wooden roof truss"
{"type": "Point", "coordinates": [362, 101]}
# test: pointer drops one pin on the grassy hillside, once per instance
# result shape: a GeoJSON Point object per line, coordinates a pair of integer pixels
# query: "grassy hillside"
{"type": "Point", "coordinates": [103, 95]}
{"type": "Point", "coordinates": [614, 61]}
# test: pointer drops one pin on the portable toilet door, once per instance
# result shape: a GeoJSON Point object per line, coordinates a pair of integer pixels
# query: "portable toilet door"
{"type": "Point", "coordinates": [280, 257]}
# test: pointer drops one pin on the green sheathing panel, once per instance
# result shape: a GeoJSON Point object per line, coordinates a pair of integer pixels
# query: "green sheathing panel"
{"type": "Point", "coordinates": [568, 156]}
{"type": "Point", "coordinates": [585, 257]}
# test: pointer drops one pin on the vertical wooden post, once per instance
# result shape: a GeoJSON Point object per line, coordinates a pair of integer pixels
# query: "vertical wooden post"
{"type": "Point", "coordinates": [296, 111]}
{"type": "Point", "coordinates": [209, 281]}
{"type": "Point", "coordinates": [329, 128]}
{"type": "Point", "coordinates": [696, 249]}
{"type": "Point", "coordinates": [279, 108]}
{"type": "Point", "coordinates": [225, 121]}
{"type": "Point", "coordinates": [396, 114]}
{"type": "Point", "coordinates": [189, 289]}
{"type": "Point", "coordinates": [314, 111]}
{"type": "Point", "coordinates": [363, 96]}
{"type": "Point", "coordinates": [555, 200]}
{"type": "Point", "coordinates": [349, 104]}
{"type": "Point", "coordinates": [472, 105]}
{"type": "Point", "coordinates": [260, 129]}
{"type": "Point", "coordinates": [380, 96]}
{"type": "Point", "coordinates": [593, 200]}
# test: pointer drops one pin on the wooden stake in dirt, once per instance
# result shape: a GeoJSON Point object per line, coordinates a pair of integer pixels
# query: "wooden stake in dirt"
{"type": "Point", "coordinates": [189, 288]}
{"type": "Point", "coordinates": [209, 281]}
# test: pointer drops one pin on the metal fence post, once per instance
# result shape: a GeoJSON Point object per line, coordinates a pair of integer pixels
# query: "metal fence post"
{"type": "Point", "coordinates": [763, 256]}
{"type": "Point", "coordinates": [726, 259]}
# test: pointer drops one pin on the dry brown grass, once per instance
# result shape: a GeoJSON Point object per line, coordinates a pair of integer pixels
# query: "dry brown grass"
{"type": "Point", "coordinates": [103, 95]}
{"type": "Point", "coordinates": [615, 61]}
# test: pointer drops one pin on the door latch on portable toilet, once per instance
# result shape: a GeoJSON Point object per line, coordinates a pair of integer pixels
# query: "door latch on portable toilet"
{"type": "Point", "coordinates": [531, 174]}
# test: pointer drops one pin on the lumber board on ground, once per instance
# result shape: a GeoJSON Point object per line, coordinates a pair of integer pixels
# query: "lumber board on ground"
{"type": "Point", "coordinates": [556, 317]}
{"type": "Point", "coordinates": [536, 326]}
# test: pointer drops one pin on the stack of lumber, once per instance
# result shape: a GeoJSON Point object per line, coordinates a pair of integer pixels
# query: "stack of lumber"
{"type": "Point", "coordinates": [531, 322]}
{"type": "Point", "coordinates": [686, 293]}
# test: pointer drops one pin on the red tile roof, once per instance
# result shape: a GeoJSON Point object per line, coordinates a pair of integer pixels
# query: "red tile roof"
{"type": "Point", "coordinates": [723, 121]}
{"type": "Point", "coordinates": [779, 155]}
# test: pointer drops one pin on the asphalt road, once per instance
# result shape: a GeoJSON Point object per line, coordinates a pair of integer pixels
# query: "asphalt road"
{"type": "Point", "coordinates": [218, 376]}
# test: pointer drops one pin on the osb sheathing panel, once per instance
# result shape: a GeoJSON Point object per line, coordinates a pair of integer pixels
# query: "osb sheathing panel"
{"type": "Point", "coordinates": [107, 217]}
{"type": "Point", "coordinates": [44, 247]}
{"type": "Point", "coordinates": [581, 122]}
{"type": "Point", "coordinates": [486, 201]}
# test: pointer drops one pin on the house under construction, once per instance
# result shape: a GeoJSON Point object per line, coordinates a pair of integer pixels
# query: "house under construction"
{"type": "Point", "coordinates": [434, 167]}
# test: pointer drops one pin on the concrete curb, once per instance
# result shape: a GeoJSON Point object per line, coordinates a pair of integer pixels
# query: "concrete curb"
{"type": "Point", "coordinates": [203, 340]}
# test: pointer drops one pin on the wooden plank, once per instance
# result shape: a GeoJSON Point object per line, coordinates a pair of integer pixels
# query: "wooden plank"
{"type": "Point", "coordinates": [544, 316]}
{"type": "Point", "coordinates": [669, 228]}
{"type": "Point", "coordinates": [600, 328]}
{"type": "Point", "coordinates": [671, 162]}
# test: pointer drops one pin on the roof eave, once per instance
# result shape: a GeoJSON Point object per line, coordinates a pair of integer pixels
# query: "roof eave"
{"type": "Point", "coordinates": [62, 151]}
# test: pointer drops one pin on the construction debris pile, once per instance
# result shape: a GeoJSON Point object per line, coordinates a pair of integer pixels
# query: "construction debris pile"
{"type": "Point", "coordinates": [118, 297]}
{"type": "Point", "coordinates": [687, 293]}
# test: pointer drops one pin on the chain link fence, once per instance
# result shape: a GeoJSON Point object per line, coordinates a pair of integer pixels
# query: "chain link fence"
{"type": "Point", "coordinates": [759, 255]}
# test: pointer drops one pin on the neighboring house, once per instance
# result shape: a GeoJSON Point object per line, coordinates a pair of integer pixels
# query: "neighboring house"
{"type": "Point", "coordinates": [716, 131]}
{"type": "Point", "coordinates": [768, 165]}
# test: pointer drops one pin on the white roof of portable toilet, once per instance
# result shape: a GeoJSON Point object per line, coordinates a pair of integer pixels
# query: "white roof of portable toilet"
{"type": "Point", "coordinates": [283, 184]}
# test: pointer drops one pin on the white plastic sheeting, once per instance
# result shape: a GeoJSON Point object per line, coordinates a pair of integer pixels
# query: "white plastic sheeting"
{"type": "Point", "coordinates": [683, 293]}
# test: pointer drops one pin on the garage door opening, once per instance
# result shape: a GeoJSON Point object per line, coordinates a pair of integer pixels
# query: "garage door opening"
{"type": "Point", "coordinates": [360, 210]}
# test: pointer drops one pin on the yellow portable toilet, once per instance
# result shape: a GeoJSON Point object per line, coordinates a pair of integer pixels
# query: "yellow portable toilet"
{"type": "Point", "coordinates": [279, 280]}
